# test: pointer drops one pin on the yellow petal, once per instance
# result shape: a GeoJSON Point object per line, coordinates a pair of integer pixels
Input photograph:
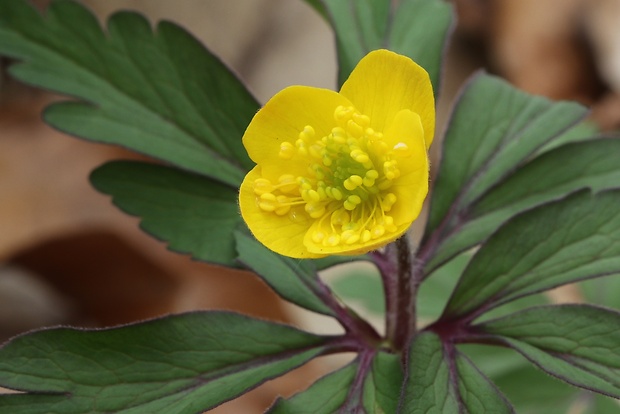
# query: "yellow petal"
{"type": "Point", "coordinates": [383, 83]}
{"type": "Point", "coordinates": [282, 119]}
{"type": "Point", "coordinates": [411, 188]}
{"type": "Point", "coordinates": [282, 234]}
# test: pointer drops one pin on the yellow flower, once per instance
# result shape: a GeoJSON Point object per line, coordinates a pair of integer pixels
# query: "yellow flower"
{"type": "Point", "coordinates": [341, 173]}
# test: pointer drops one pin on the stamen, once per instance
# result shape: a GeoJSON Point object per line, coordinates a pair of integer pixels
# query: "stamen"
{"type": "Point", "coordinates": [344, 189]}
{"type": "Point", "coordinates": [287, 150]}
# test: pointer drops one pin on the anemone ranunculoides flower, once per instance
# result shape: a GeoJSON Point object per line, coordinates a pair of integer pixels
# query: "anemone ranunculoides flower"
{"type": "Point", "coordinates": [341, 173]}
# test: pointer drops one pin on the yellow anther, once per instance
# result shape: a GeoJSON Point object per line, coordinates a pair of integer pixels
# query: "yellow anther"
{"type": "Point", "coordinates": [351, 202]}
{"type": "Point", "coordinates": [327, 161]}
{"type": "Point", "coordinates": [283, 205]}
{"type": "Point", "coordinates": [374, 174]}
{"type": "Point", "coordinates": [333, 240]}
{"type": "Point", "coordinates": [402, 150]}
{"type": "Point", "coordinates": [353, 182]}
{"type": "Point", "coordinates": [315, 210]}
{"type": "Point", "coordinates": [262, 186]}
{"type": "Point", "coordinates": [350, 236]}
{"type": "Point", "coordinates": [388, 201]}
{"type": "Point", "coordinates": [267, 202]}
{"type": "Point", "coordinates": [287, 150]}
{"type": "Point", "coordinates": [339, 135]}
{"type": "Point", "coordinates": [287, 183]}
{"type": "Point", "coordinates": [354, 129]}
{"type": "Point", "coordinates": [388, 222]}
{"type": "Point", "coordinates": [366, 236]}
{"type": "Point", "coordinates": [370, 132]}
{"type": "Point", "coordinates": [343, 113]}
{"type": "Point", "coordinates": [390, 170]}
{"type": "Point", "coordinates": [304, 183]}
{"type": "Point", "coordinates": [307, 133]}
{"type": "Point", "coordinates": [377, 231]}
{"type": "Point", "coordinates": [361, 120]}
{"type": "Point", "coordinates": [318, 236]}
{"type": "Point", "coordinates": [370, 177]}
{"type": "Point", "coordinates": [340, 217]}
{"type": "Point", "coordinates": [359, 156]}
{"type": "Point", "coordinates": [337, 194]}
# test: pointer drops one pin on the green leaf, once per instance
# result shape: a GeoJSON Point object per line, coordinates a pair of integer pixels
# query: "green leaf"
{"type": "Point", "coordinates": [295, 280]}
{"type": "Point", "coordinates": [192, 213]}
{"type": "Point", "coordinates": [604, 291]}
{"type": "Point", "coordinates": [531, 391]}
{"type": "Point", "coordinates": [182, 364]}
{"type": "Point", "coordinates": [325, 396]}
{"type": "Point", "coordinates": [513, 374]}
{"type": "Point", "coordinates": [428, 386]}
{"type": "Point", "coordinates": [494, 129]}
{"type": "Point", "coordinates": [415, 28]}
{"type": "Point", "coordinates": [576, 343]}
{"type": "Point", "coordinates": [593, 164]}
{"type": "Point", "coordinates": [383, 384]}
{"type": "Point", "coordinates": [558, 243]}
{"type": "Point", "coordinates": [318, 6]}
{"type": "Point", "coordinates": [360, 26]}
{"type": "Point", "coordinates": [162, 94]}
{"type": "Point", "coordinates": [420, 29]}
{"type": "Point", "coordinates": [443, 381]}
{"type": "Point", "coordinates": [583, 131]}
{"type": "Point", "coordinates": [338, 391]}
{"type": "Point", "coordinates": [478, 393]}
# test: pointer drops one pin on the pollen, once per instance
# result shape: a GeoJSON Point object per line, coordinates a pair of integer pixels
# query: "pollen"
{"type": "Point", "coordinates": [346, 189]}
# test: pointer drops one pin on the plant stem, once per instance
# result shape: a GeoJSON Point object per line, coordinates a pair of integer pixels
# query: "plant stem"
{"type": "Point", "coordinates": [396, 269]}
{"type": "Point", "coordinates": [352, 323]}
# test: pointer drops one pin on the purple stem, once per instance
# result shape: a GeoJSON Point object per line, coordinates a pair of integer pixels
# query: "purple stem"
{"type": "Point", "coordinates": [354, 403]}
{"type": "Point", "coordinates": [396, 268]}
{"type": "Point", "coordinates": [355, 326]}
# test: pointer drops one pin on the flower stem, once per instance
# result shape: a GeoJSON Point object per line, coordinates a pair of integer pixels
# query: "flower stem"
{"type": "Point", "coordinates": [352, 323]}
{"type": "Point", "coordinates": [396, 269]}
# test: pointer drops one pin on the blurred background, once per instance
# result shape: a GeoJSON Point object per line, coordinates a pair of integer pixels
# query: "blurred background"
{"type": "Point", "coordinates": [67, 256]}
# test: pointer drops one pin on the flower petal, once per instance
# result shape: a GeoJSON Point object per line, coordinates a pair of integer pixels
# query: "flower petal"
{"type": "Point", "coordinates": [282, 118]}
{"type": "Point", "coordinates": [411, 188]}
{"type": "Point", "coordinates": [383, 83]}
{"type": "Point", "coordinates": [282, 234]}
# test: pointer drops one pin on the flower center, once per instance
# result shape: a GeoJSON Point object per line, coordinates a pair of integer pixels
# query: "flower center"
{"type": "Point", "coordinates": [346, 188]}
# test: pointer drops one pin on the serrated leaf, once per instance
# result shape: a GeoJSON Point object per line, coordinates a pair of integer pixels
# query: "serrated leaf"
{"type": "Point", "coordinates": [415, 28]}
{"type": "Point", "coordinates": [494, 129]}
{"type": "Point", "coordinates": [182, 364]}
{"type": "Point", "coordinates": [593, 164]}
{"type": "Point", "coordinates": [576, 343]}
{"type": "Point", "coordinates": [443, 381]}
{"type": "Point", "coordinates": [478, 393]}
{"type": "Point", "coordinates": [295, 280]}
{"type": "Point", "coordinates": [383, 384]}
{"type": "Point", "coordinates": [558, 243]}
{"type": "Point", "coordinates": [194, 214]}
{"type": "Point", "coordinates": [162, 94]}
{"type": "Point", "coordinates": [325, 396]}
{"type": "Point", "coordinates": [513, 374]}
